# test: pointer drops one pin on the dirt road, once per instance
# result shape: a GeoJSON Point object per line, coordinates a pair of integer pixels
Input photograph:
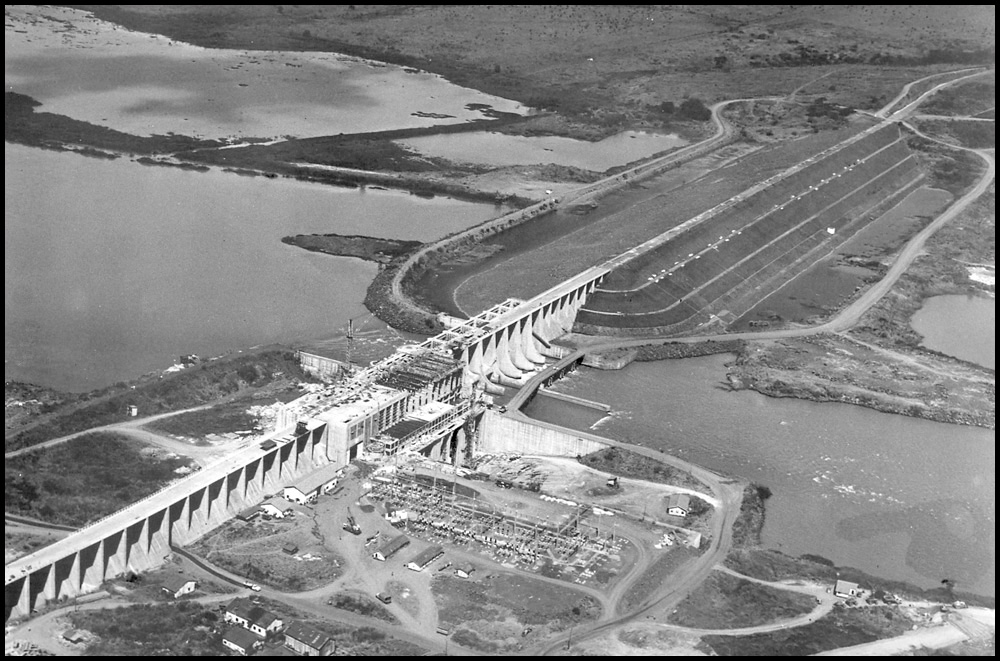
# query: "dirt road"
{"type": "Point", "coordinates": [202, 455]}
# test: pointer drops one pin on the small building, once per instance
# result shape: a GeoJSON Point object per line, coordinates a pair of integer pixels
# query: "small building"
{"type": "Point", "coordinates": [75, 636]}
{"type": "Point", "coordinates": [846, 589]}
{"type": "Point", "coordinates": [314, 485]}
{"type": "Point", "coordinates": [465, 571]}
{"type": "Point", "coordinates": [307, 640]}
{"type": "Point", "coordinates": [132, 410]}
{"type": "Point", "coordinates": [678, 504]}
{"type": "Point", "coordinates": [424, 558]}
{"type": "Point", "coordinates": [277, 507]}
{"type": "Point", "coordinates": [390, 548]}
{"type": "Point", "coordinates": [178, 586]}
{"type": "Point", "coordinates": [290, 548]}
{"type": "Point", "coordinates": [256, 619]}
{"type": "Point", "coordinates": [249, 514]}
{"type": "Point", "coordinates": [241, 641]}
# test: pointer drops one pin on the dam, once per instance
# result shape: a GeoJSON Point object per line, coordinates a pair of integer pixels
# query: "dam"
{"type": "Point", "coordinates": [433, 397]}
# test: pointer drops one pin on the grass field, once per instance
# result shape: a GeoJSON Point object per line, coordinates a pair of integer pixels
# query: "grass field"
{"type": "Point", "coordinates": [86, 478]}
{"type": "Point", "coordinates": [207, 382]}
{"type": "Point", "coordinates": [617, 461]}
{"type": "Point", "coordinates": [254, 550]}
{"type": "Point", "coordinates": [841, 628]}
{"type": "Point", "coordinates": [185, 628]}
{"type": "Point", "coordinates": [724, 601]}
{"type": "Point", "coordinates": [834, 368]}
{"type": "Point", "coordinates": [504, 613]}
{"type": "Point", "coordinates": [670, 561]}
{"type": "Point", "coordinates": [968, 98]}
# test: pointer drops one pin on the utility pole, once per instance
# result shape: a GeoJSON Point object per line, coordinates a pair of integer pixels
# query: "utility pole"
{"type": "Point", "coordinates": [350, 345]}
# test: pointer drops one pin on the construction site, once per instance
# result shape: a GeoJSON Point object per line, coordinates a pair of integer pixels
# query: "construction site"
{"type": "Point", "coordinates": [526, 530]}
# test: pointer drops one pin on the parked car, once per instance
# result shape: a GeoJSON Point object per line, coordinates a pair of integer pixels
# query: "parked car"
{"type": "Point", "coordinates": [253, 586]}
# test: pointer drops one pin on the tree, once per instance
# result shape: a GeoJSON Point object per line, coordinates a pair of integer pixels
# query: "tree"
{"type": "Point", "coordinates": [694, 109]}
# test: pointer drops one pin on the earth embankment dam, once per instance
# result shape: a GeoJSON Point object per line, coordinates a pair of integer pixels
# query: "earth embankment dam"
{"type": "Point", "coordinates": [717, 265]}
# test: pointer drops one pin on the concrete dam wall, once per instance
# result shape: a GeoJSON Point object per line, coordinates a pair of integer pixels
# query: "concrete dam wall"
{"type": "Point", "coordinates": [502, 433]}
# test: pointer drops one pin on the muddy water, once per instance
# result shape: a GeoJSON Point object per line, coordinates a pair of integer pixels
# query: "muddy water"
{"type": "Point", "coordinates": [499, 149]}
{"type": "Point", "coordinates": [894, 496]}
{"type": "Point", "coordinates": [113, 269]}
{"type": "Point", "coordinates": [147, 84]}
{"type": "Point", "coordinates": [961, 326]}
{"type": "Point", "coordinates": [830, 283]}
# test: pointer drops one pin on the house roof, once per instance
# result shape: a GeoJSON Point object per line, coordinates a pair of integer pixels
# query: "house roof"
{"type": "Point", "coordinates": [240, 637]}
{"type": "Point", "coordinates": [174, 582]}
{"type": "Point", "coordinates": [844, 587]}
{"type": "Point", "coordinates": [391, 546]}
{"type": "Point", "coordinates": [249, 512]}
{"type": "Point", "coordinates": [281, 503]}
{"type": "Point", "coordinates": [681, 500]}
{"type": "Point", "coordinates": [426, 556]}
{"type": "Point", "coordinates": [316, 479]}
{"type": "Point", "coordinates": [245, 609]}
{"type": "Point", "coordinates": [307, 635]}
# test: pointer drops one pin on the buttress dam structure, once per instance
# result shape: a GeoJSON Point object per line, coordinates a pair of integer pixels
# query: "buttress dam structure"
{"type": "Point", "coordinates": [420, 398]}
{"type": "Point", "coordinates": [428, 397]}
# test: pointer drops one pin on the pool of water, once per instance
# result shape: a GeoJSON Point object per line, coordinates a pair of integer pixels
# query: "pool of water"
{"type": "Point", "coordinates": [961, 326]}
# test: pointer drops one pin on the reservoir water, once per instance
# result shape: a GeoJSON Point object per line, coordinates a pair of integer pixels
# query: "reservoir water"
{"type": "Point", "coordinates": [961, 326]}
{"type": "Point", "coordinates": [897, 497]}
{"type": "Point", "coordinates": [113, 269]}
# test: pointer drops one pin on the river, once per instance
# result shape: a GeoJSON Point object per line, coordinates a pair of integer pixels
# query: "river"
{"type": "Point", "coordinates": [961, 326]}
{"type": "Point", "coordinates": [897, 497]}
{"type": "Point", "coordinates": [113, 269]}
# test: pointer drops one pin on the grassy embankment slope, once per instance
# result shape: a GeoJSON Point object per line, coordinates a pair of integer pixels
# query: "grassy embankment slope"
{"type": "Point", "coordinates": [268, 371]}
{"type": "Point", "coordinates": [85, 479]}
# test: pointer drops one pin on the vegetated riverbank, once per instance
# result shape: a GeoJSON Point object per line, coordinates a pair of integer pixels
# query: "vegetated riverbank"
{"type": "Point", "coordinates": [24, 124]}
{"type": "Point", "coordinates": [618, 461]}
{"type": "Point", "coordinates": [373, 249]}
{"type": "Point", "coordinates": [352, 160]}
{"type": "Point", "coordinates": [266, 369]}
{"type": "Point", "coordinates": [749, 558]}
{"type": "Point", "coordinates": [834, 368]}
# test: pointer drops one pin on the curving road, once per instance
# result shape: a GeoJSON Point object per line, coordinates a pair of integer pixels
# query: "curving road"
{"type": "Point", "coordinates": [131, 427]}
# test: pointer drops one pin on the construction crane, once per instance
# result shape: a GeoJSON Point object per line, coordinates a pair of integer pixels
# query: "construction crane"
{"type": "Point", "coordinates": [351, 525]}
{"type": "Point", "coordinates": [350, 345]}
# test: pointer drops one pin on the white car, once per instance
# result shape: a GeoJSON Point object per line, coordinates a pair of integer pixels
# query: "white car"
{"type": "Point", "coordinates": [252, 586]}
